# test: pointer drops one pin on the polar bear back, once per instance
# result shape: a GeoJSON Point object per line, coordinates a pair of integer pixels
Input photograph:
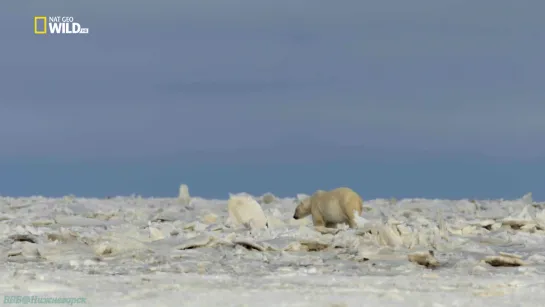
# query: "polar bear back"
{"type": "Point", "coordinates": [338, 204]}
{"type": "Point", "coordinates": [338, 196]}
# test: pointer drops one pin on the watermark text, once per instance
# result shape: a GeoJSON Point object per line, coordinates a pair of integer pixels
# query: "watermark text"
{"type": "Point", "coordinates": [34, 299]}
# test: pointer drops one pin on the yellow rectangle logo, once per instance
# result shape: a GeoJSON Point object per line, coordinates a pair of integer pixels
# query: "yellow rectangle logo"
{"type": "Point", "coordinates": [37, 22]}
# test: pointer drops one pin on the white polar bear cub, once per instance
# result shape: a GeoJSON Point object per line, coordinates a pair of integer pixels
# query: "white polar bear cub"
{"type": "Point", "coordinates": [244, 210]}
{"type": "Point", "coordinates": [329, 208]}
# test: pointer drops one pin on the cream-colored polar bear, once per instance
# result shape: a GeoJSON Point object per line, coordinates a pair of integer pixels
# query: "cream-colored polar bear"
{"type": "Point", "coordinates": [329, 208]}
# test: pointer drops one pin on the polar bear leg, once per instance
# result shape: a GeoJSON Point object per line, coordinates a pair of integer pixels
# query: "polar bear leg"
{"type": "Point", "coordinates": [318, 220]}
{"type": "Point", "coordinates": [331, 225]}
{"type": "Point", "coordinates": [352, 223]}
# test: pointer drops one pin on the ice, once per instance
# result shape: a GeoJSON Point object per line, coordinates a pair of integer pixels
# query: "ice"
{"type": "Point", "coordinates": [133, 251]}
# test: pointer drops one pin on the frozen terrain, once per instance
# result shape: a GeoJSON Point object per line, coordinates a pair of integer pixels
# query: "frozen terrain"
{"type": "Point", "coordinates": [132, 251]}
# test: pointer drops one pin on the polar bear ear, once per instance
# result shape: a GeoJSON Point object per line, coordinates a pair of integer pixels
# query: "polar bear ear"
{"type": "Point", "coordinates": [300, 197]}
{"type": "Point", "coordinates": [299, 201]}
{"type": "Point", "coordinates": [305, 203]}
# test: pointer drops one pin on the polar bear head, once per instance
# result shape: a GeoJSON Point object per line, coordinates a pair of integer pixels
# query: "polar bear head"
{"type": "Point", "coordinates": [303, 209]}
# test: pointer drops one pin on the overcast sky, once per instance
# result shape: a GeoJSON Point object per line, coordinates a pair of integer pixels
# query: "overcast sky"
{"type": "Point", "coordinates": [272, 82]}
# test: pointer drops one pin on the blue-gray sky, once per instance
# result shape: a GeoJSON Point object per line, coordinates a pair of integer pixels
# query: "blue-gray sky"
{"type": "Point", "coordinates": [393, 98]}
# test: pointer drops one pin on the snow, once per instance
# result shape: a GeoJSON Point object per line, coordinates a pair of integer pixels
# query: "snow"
{"type": "Point", "coordinates": [133, 251]}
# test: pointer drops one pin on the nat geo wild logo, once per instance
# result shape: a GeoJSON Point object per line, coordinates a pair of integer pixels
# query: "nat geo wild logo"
{"type": "Point", "coordinates": [57, 25]}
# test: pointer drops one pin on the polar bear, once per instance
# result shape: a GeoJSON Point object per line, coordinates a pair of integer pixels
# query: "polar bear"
{"type": "Point", "coordinates": [329, 208]}
{"type": "Point", "coordinates": [244, 210]}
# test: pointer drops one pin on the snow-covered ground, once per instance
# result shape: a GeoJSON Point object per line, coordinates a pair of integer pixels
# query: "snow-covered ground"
{"type": "Point", "coordinates": [105, 250]}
